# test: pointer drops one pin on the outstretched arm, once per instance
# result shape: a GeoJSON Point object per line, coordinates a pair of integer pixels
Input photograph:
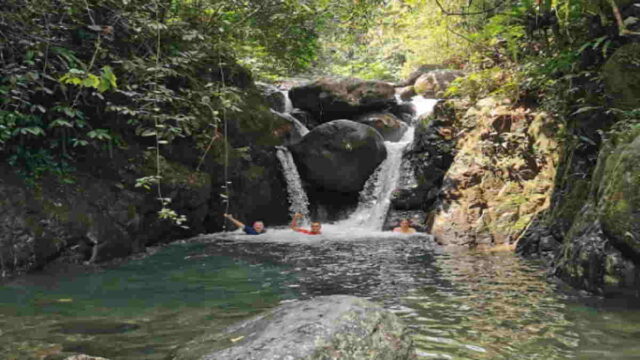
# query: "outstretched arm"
{"type": "Point", "coordinates": [294, 222]}
{"type": "Point", "coordinates": [234, 221]}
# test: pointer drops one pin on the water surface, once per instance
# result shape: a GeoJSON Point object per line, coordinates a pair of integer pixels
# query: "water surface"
{"type": "Point", "coordinates": [459, 304]}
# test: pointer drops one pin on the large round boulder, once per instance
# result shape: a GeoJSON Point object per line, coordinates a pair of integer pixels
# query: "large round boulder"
{"type": "Point", "coordinates": [330, 99]}
{"type": "Point", "coordinates": [435, 83]}
{"type": "Point", "coordinates": [388, 125]}
{"type": "Point", "coordinates": [339, 155]}
{"type": "Point", "coordinates": [328, 327]}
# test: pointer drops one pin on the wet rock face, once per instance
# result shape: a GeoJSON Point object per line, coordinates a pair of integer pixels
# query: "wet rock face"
{"type": "Point", "coordinates": [273, 95]}
{"type": "Point", "coordinates": [94, 219]}
{"type": "Point", "coordinates": [500, 177]}
{"type": "Point", "coordinates": [622, 77]}
{"type": "Point", "coordinates": [330, 99]}
{"type": "Point", "coordinates": [339, 155]}
{"type": "Point", "coordinates": [326, 327]}
{"type": "Point", "coordinates": [601, 250]}
{"type": "Point", "coordinates": [390, 127]}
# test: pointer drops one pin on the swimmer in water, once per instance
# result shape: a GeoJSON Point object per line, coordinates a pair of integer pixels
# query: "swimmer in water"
{"type": "Point", "coordinates": [316, 227]}
{"type": "Point", "coordinates": [405, 227]}
{"type": "Point", "coordinates": [256, 229]}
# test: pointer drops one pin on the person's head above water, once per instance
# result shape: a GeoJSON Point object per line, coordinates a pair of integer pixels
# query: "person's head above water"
{"type": "Point", "coordinates": [258, 226]}
{"type": "Point", "coordinates": [316, 227]}
{"type": "Point", "coordinates": [405, 226]}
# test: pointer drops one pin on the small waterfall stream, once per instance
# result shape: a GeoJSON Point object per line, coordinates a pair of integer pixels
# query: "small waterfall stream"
{"type": "Point", "coordinates": [288, 105]}
{"type": "Point", "coordinates": [375, 197]}
{"type": "Point", "coordinates": [298, 200]}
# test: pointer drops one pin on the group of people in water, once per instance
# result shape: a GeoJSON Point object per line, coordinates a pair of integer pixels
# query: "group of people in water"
{"type": "Point", "coordinates": [316, 227]}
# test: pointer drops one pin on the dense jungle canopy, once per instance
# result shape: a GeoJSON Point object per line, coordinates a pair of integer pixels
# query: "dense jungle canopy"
{"type": "Point", "coordinates": [83, 79]}
{"type": "Point", "coordinates": [69, 65]}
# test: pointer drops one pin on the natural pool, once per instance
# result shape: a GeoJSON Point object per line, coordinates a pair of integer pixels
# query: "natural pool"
{"type": "Point", "coordinates": [460, 305]}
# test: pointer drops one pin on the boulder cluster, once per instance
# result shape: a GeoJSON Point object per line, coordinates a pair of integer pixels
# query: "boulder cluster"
{"type": "Point", "coordinates": [349, 120]}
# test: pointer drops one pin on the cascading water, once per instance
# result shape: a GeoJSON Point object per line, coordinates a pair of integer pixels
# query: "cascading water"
{"type": "Point", "coordinates": [288, 105]}
{"type": "Point", "coordinates": [375, 197]}
{"type": "Point", "coordinates": [298, 200]}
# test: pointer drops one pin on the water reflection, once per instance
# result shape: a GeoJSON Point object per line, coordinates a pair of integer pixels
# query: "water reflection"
{"type": "Point", "coordinates": [459, 304]}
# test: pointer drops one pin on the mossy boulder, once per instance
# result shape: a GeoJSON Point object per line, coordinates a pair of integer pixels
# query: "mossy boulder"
{"type": "Point", "coordinates": [622, 77]}
{"type": "Point", "coordinates": [601, 250]}
{"type": "Point", "coordinates": [619, 195]}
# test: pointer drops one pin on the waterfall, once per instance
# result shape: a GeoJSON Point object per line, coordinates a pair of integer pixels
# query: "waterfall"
{"type": "Point", "coordinates": [375, 197]}
{"type": "Point", "coordinates": [288, 105]}
{"type": "Point", "coordinates": [298, 200]}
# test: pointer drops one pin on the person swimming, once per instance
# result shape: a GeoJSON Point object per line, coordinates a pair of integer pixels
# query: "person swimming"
{"type": "Point", "coordinates": [316, 227]}
{"type": "Point", "coordinates": [256, 229]}
{"type": "Point", "coordinates": [405, 227]}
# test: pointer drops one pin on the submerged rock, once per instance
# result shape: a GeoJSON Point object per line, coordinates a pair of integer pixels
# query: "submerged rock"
{"type": "Point", "coordinates": [328, 327]}
{"type": "Point", "coordinates": [339, 155]}
{"type": "Point", "coordinates": [330, 99]}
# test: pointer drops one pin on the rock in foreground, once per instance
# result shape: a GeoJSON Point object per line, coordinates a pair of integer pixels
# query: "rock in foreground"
{"type": "Point", "coordinates": [329, 327]}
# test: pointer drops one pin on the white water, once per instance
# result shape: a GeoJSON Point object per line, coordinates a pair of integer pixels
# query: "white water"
{"type": "Point", "coordinates": [298, 200]}
{"type": "Point", "coordinates": [288, 105]}
{"type": "Point", "coordinates": [423, 106]}
{"type": "Point", "coordinates": [375, 198]}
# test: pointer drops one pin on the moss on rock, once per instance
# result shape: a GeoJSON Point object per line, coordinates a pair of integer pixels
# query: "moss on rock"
{"type": "Point", "coordinates": [622, 76]}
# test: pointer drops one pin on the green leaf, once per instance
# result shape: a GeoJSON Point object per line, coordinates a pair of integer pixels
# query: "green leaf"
{"type": "Point", "coordinates": [60, 123]}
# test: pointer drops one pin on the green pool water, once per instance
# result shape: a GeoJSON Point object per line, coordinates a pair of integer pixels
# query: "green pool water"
{"type": "Point", "coordinates": [140, 310]}
{"type": "Point", "coordinates": [458, 305]}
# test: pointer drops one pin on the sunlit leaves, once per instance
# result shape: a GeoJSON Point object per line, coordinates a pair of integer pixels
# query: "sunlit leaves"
{"type": "Point", "coordinates": [106, 80]}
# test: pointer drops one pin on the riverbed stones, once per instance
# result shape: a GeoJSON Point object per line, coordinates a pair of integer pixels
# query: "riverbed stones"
{"type": "Point", "coordinates": [339, 155]}
{"type": "Point", "coordinates": [388, 125]}
{"type": "Point", "coordinates": [328, 327]}
{"type": "Point", "coordinates": [330, 99]}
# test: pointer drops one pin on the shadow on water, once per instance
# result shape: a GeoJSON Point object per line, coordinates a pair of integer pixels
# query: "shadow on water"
{"type": "Point", "coordinates": [459, 304]}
